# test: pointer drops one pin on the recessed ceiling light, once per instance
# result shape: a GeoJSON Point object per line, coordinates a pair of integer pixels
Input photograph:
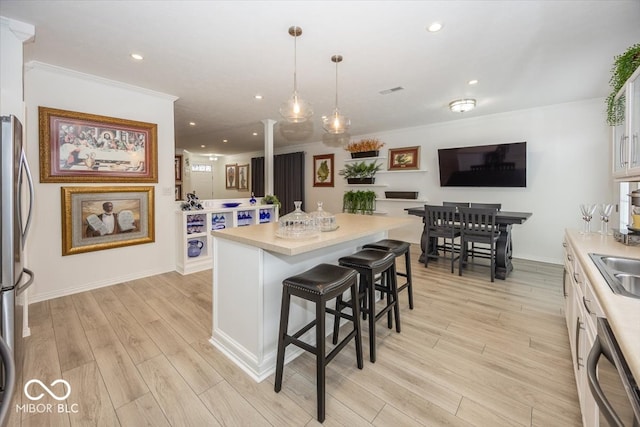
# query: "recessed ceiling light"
{"type": "Point", "coordinates": [435, 27]}
{"type": "Point", "coordinates": [258, 97]}
{"type": "Point", "coordinates": [192, 123]}
{"type": "Point", "coordinates": [473, 82]}
{"type": "Point", "coordinates": [225, 140]}
{"type": "Point", "coordinates": [255, 134]}
{"type": "Point", "coordinates": [202, 146]}
{"type": "Point", "coordinates": [137, 56]}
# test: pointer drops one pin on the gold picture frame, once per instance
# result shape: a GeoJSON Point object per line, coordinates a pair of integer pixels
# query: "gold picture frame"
{"type": "Point", "coordinates": [243, 177]}
{"type": "Point", "coordinates": [97, 218]}
{"type": "Point", "coordinates": [323, 170]}
{"type": "Point", "coordinates": [404, 158]}
{"type": "Point", "coordinates": [231, 176]}
{"type": "Point", "coordinates": [81, 147]}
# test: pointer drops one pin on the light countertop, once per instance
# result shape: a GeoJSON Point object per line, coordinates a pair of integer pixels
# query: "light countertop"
{"type": "Point", "coordinates": [350, 226]}
{"type": "Point", "coordinates": [623, 313]}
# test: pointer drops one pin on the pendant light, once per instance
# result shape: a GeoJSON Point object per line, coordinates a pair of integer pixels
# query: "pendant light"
{"type": "Point", "coordinates": [295, 109]}
{"type": "Point", "coordinates": [335, 123]}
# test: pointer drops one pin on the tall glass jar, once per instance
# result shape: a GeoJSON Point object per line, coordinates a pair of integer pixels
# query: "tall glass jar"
{"type": "Point", "coordinates": [324, 220]}
{"type": "Point", "coordinates": [297, 224]}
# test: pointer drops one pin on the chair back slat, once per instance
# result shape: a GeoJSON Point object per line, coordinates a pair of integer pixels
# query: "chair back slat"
{"type": "Point", "coordinates": [440, 217]}
{"type": "Point", "coordinates": [478, 220]}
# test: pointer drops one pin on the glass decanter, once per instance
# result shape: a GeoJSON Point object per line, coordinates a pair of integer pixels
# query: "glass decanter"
{"type": "Point", "coordinates": [324, 220]}
{"type": "Point", "coordinates": [297, 224]}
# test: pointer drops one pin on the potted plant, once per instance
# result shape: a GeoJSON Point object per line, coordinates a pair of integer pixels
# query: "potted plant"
{"type": "Point", "coordinates": [623, 67]}
{"type": "Point", "coordinates": [362, 202]}
{"type": "Point", "coordinates": [368, 147]}
{"type": "Point", "coordinates": [269, 199]}
{"type": "Point", "coordinates": [360, 172]}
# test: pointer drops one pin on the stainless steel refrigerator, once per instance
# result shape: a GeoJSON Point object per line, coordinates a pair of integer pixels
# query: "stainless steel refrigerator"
{"type": "Point", "coordinates": [16, 207]}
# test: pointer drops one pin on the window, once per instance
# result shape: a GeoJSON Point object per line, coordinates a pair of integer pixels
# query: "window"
{"type": "Point", "coordinates": [200, 168]}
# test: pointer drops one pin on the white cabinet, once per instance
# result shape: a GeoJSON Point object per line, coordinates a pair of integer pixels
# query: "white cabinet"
{"type": "Point", "coordinates": [626, 135]}
{"type": "Point", "coordinates": [581, 310]}
{"type": "Point", "coordinates": [193, 230]}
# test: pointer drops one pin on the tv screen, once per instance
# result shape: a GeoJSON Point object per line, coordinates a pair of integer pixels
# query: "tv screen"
{"type": "Point", "coordinates": [499, 165]}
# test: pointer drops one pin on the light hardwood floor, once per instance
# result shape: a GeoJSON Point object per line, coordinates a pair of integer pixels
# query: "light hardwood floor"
{"type": "Point", "coordinates": [471, 353]}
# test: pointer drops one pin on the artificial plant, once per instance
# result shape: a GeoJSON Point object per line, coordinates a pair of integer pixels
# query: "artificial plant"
{"type": "Point", "coordinates": [360, 169]}
{"type": "Point", "coordinates": [624, 66]}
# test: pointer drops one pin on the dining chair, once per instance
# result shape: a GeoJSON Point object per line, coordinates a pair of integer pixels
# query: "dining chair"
{"type": "Point", "coordinates": [440, 222]}
{"type": "Point", "coordinates": [480, 251]}
{"type": "Point", "coordinates": [478, 225]}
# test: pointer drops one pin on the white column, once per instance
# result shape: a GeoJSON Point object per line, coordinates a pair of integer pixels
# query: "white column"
{"type": "Point", "coordinates": [12, 35]}
{"type": "Point", "coordinates": [268, 155]}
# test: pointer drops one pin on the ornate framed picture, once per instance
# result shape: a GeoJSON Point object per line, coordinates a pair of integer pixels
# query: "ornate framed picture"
{"type": "Point", "coordinates": [243, 177]}
{"type": "Point", "coordinates": [178, 167]}
{"type": "Point", "coordinates": [178, 191]}
{"type": "Point", "coordinates": [231, 176]}
{"type": "Point", "coordinates": [97, 218]}
{"type": "Point", "coordinates": [404, 158]}
{"type": "Point", "coordinates": [323, 170]}
{"type": "Point", "coordinates": [80, 147]}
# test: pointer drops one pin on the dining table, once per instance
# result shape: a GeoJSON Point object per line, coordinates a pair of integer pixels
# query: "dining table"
{"type": "Point", "coordinates": [504, 247]}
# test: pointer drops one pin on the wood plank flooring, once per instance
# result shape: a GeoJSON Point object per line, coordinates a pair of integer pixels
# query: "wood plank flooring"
{"type": "Point", "coordinates": [471, 353]}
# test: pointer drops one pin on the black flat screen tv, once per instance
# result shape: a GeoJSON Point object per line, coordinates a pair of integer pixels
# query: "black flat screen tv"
{"type": "Point", "coordinates": [498, 165]}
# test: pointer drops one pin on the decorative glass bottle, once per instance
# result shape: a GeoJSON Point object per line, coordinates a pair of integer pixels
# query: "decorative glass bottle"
{"type": "Point", "coordinates": [252, 200]}
{"type": "Point", "coordinates": [324, 220]}
{"type": "Point", "coordinates": [297, 224]}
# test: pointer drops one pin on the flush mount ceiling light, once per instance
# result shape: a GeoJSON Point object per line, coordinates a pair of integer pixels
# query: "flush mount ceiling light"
{"type": "Point", "coordinates": [462, 105]}
{"type": "Point", "coordinates": [295, 109]}
{"type": "Point", "coordinates": [335, 123]}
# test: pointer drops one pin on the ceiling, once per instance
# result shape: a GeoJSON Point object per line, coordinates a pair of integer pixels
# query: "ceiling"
{"type": "Point", "coordinates": [215, 56]}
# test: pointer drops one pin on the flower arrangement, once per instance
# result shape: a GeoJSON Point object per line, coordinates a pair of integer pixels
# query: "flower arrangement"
{"type": "Point", "coordinates": [364, 145]}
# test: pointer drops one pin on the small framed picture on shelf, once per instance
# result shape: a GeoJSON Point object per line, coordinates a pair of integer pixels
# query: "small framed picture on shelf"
{"type": "Point", "coordinates": [323, 170]}
{"type": "Point", "coordinates": [404, 158]}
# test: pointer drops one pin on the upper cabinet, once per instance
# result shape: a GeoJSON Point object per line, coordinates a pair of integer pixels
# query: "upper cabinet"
{"type": "Point", "coordinates": [626, 147]}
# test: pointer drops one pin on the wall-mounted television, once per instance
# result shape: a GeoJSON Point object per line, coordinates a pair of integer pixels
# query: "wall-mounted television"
{"type": "Point", "coordinates": [498, 165]}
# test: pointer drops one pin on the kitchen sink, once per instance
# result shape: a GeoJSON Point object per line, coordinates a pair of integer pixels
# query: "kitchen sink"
{"type": "Point", "coordinates": [622, 274]}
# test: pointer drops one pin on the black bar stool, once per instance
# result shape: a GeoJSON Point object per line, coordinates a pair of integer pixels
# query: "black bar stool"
{"type": "Point", "coordinates": [369, 263]}
{"type": "Point", "coordinates": [319, 284]}
{"type": "Point", "coordinates": [399, 248]}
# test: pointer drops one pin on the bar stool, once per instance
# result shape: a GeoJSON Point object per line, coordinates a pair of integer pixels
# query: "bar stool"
{"type": "Point", "coordinates": [399, 248]}
{"type": "Point", "coordinates": [369, 263]}
{"type": "Point", "coordinates": [319, 284]}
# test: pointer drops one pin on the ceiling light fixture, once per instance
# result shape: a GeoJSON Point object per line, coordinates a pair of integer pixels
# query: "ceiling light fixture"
{"type": "Point", "coordinates": [462, 105]}
{"type": "Point", "coordinates": [335, 122]}
{"type": "Point", "coordinates": [295, 109]}
{"type": "Point", "coordinates": [435, 27]}
{"type": "Point", "coordinates": [137, 56]}
{"type": "Point", "coordinates": [473, 82]}
{"type": "Point", "coordinates": [192, 123]}
{"type": "Point", "coordinates": [258, 96]}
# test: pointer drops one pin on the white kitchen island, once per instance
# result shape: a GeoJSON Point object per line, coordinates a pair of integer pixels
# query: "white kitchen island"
{"type": "Point", "coordinates": [249, 265]}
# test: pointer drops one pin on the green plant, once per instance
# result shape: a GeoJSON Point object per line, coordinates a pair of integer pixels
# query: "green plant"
{"type": "Point", "coordinates": [360, 169]}
{"type": "Point", "coordinates": [623, 67]}
{"type": "Point", "coordinates": [367, 144]}
{"type": "Point", "coordinates": [269, 199]}
{"type": "Point", "coordinates": [362, 202]}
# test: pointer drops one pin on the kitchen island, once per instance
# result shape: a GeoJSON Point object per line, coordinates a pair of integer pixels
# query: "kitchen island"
{"type": "Point", "coordinates": [249, 265]}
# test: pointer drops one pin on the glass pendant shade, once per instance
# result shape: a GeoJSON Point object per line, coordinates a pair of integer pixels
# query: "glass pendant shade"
{"type": "Point", "coordinates": [295, 109]}
{"type": "Point", "coordinates": [336, 123]}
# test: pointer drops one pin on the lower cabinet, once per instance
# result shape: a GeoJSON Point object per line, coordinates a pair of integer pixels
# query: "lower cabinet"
{"type": "Point", "coordinates": [193, 230]}
{"type": "Point", "coordinates": [581, 310]}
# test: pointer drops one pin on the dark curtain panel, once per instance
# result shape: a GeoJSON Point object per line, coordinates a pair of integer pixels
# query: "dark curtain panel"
{"type": "Point", "coordinates": [288, 180]}
{"type": "Point", "coordinates": [257, 176]}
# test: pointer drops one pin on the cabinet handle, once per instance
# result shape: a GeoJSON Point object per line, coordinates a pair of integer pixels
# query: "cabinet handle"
{"type": "Point", "coordinates": [626, 139]}
{"type": "Point", "coordinates": [621, 154]}
{"type": "Point", "coordinates": [578, 358]}
{"type": "Point", "coordinates": [634, 146]}
{"type": "Point", "coordinates": [584, 302]}
{"type": "Point", "coordinates": [569, 258]}
{"type": "Point", "coordinates": [576, 278]}
{"type": "Point", "coordinates": [564, 244]}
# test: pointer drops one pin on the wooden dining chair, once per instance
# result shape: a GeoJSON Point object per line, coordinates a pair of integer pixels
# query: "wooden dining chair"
{"type": "Point", "coordinates": [482, 251]}
{"type": "Point", "coordinates": [440, 223]}
{"type": "Point", "coordinates": [478, 226]}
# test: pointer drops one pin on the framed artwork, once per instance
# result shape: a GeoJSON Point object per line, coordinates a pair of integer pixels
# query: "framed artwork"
{"type": "Point", "coordinates": [178, 167]}
{"type": "Point", "coordinates": [97, 218]}
{"type": "Point", "coordinates": [79, 147]}
{"type": "Point", "coordinates": [231, 175]}
{"type": "Point", "coordinates": [323, 170]}
{"type": "Point", "coordinates": [404, 158]}
{"type": "Point", "coordinates": [243, 177]}
{"type": "Point", "coordinates": [178, 191]}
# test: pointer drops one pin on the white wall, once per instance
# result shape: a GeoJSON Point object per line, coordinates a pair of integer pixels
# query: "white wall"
{"type": "Point", "coordinates": [568, 164]}
{"type": "Point", "coordinates": [57, 275]}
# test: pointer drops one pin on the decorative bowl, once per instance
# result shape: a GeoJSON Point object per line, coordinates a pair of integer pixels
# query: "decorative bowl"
{"type": "Point", "coordinates": [231, 204]}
